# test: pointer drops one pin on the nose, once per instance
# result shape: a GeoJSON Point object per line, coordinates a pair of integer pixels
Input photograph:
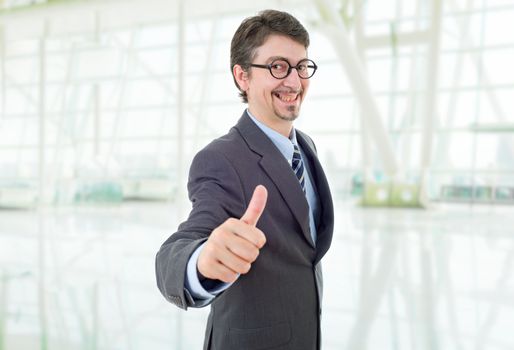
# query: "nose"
{"type": "Point", "coordinates": [293, 80]}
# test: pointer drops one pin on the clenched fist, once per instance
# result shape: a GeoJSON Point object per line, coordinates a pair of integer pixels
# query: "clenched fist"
{"type": "Point", "coordinates": [234, 245]}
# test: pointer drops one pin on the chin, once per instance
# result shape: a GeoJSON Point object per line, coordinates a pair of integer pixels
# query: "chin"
{"type": "Point", "coordinates": [289, 118]}
{"type": "Point", "coordinates": [290, 115]}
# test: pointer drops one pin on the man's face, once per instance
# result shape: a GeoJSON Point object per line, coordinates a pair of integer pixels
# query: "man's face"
{"type": "Point", "coordinates": [272, 100]}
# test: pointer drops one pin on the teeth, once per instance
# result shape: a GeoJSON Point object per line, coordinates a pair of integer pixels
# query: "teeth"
{"type": "Point", "coordinates": [286, 98]}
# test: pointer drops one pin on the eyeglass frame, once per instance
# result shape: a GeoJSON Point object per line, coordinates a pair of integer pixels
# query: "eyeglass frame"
{"type": "Point", "coordinates": [290, 68]}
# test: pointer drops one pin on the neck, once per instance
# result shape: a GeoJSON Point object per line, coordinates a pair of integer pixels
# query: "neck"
{"type": "Point", "coordinates": [283, 127]}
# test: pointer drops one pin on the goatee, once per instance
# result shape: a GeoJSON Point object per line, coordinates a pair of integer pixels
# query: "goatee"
{"type": "Point", "coordinates": [291, 116]}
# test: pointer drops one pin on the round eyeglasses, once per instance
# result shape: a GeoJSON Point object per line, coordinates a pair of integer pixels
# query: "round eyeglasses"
{"type": "Point", "coordinates": [281, 68]}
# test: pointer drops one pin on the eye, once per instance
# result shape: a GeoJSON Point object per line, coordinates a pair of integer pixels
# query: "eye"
{"type": "Point", "coordinates": [302, 67]}
{"type": "Point", "coordinates": [278, 66]}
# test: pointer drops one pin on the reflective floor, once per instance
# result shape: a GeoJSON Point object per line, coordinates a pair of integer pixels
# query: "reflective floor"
{"type": "Point", "coordinates": [83, 278]}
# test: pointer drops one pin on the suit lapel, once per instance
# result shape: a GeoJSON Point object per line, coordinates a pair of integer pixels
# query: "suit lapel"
{"type": "Point", "coordinates": [278, 170]}
{"type": "Point", "coordinates": [325, 226]}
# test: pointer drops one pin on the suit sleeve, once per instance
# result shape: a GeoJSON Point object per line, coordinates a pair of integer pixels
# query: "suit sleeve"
{"type": "Point", "coordinates": [216, 194]}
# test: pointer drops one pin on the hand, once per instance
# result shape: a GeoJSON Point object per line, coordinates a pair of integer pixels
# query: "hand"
{"type": "Point", "coordinates": [233, 246]}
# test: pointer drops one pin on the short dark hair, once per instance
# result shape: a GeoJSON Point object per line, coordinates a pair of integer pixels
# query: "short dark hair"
{"type": "Point", "coordinates": [254, 31]}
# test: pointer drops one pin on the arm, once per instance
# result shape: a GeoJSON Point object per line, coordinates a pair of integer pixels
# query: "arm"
{"type": "Point", "coordinates": [231, 245]}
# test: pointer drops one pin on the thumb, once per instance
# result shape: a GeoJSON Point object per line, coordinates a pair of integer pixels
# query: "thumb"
{"type": "Point", "coordinates": [256, 206]}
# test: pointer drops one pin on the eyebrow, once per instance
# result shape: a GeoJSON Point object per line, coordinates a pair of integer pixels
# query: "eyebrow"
{"type": "Point", "coordinates": [273, 58]}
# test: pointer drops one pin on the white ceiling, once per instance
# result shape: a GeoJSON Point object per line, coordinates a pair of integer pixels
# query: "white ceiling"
{"type": "Point", "coordinates": [68, 17]}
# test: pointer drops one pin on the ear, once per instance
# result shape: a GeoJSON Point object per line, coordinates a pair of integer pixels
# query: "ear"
{"type": "Point", "coordinates": [241, 77]}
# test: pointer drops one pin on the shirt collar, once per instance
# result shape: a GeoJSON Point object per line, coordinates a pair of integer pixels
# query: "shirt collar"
{"type": "Point", "coordinates": [284, 144]}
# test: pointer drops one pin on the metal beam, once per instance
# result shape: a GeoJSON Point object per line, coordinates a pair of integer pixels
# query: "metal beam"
{"type": "Point", "coordinates": [42, 116]}
{"type": "Point", "coordinates": [181, 59]}
{"type": "Point", "coordinates": [430, 116]}
{"type": "Point", "coordinates": [2, 70]}
{"type": "Point", "coordinates": [336, 32]}
{"type": "Point", "coordinates": [367, 168]}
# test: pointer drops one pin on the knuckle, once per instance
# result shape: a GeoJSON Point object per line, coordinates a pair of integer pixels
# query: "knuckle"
{"type": "Point", "coordinates": [228, 277]}
{"type": "Point", "coordinates": [215, 234]}
{"type": "Point", "coordinates": [242, 268]}
{"type": "Point", "coordinates": [206, 251]}
{"type": "Point", "coordinates": [263, 237]}
{"type": "Point", "coordinates": [219, 235]}
{"type": "Point", "coordinates": [211, 247]}
{"type": "Point", "coordinates": [246, 268]}
{"type": "Point", "coordinates": [222, 235]}
{"type": "Point", "coordinates": [223, 278]}
{"type": "Point", "coordinates": [231, 221]}
{"type": "Point", "coordinates": [261, 240]}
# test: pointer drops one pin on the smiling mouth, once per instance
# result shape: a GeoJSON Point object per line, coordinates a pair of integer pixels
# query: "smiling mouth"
{"type": "Point", "coordinates": [286, 97]}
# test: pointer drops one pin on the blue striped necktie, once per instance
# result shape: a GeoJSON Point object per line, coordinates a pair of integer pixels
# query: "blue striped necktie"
{"type": "Point", "coordinates": [298, 168]}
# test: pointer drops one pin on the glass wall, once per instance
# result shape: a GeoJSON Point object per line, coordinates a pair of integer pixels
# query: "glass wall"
{"type": "Point", "coordinates": [90, 113]}
{"type": "Point", "coordinates": [103, 102]}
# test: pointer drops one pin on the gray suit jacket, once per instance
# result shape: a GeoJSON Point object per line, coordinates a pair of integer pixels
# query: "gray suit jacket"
{"type": "Point", "coordinates": [277, 305]}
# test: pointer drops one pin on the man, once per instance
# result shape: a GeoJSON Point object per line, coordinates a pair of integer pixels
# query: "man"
{"type": "Point", "coordinates": [262, 215]}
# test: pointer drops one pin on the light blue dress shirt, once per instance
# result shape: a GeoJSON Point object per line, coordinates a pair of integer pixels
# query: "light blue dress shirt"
{"type": "Point", "coordinates": [285, 146]}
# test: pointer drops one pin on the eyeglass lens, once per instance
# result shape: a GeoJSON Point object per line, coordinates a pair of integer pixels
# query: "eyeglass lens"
{"type": "Point", "coordinates": [281, 68]}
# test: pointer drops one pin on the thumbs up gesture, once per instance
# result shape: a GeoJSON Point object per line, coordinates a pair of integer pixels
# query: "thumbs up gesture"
{"type": "Point", "coordinates": [233, 246]}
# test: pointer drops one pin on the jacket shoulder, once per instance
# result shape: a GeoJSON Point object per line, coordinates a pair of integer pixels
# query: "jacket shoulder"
{"type": "Point", "coordinates": [226, 144]}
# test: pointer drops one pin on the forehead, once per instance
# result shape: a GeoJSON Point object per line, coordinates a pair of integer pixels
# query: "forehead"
{"type": "Point", "coordinates": [281, 46]}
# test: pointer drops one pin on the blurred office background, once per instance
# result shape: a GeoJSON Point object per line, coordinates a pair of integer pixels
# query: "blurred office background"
{"type": "Point", "coordinates": [104, 103]}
